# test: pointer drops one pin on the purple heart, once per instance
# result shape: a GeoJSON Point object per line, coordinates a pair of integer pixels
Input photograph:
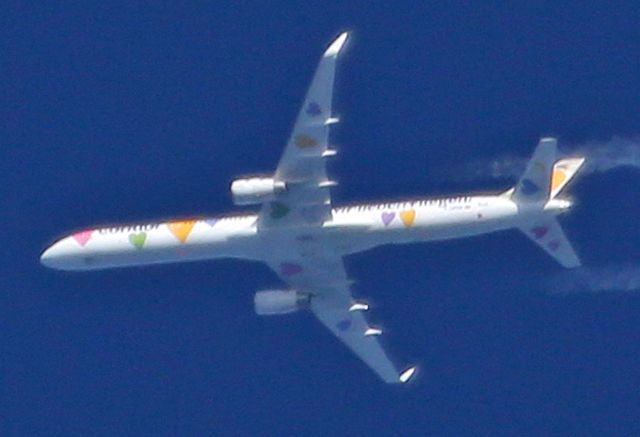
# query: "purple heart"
{"type": "Point", "coordinates": [553, 245]}
{"type": "Point", "coordinates": [539, 231]}
{"type": "Point", "coordinates": [290, 269]}
{"type": "Point", "coordinates": [528, 188]}
{"type": "Point", "coordinates": [313, 109]}
{"type": "Point", "coordinates": [387, 217]}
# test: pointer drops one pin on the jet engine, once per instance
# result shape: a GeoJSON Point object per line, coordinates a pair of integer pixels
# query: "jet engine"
{"type": "Point", "coordinates": [276, 302]}
{"type": "Point", "coordinates": [251, 191]}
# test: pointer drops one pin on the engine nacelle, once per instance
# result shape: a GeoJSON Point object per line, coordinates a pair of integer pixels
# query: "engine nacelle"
{"type": "Point", "coordinates": [251, 191]}
{"type": "Point", "coordinates": [276, 302]}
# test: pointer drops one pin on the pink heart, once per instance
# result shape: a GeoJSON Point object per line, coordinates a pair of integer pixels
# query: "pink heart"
{"type": "Point", "coordinates": [387, 217]}
{"type": "Point", "coordinates": [289, 269]}
{"type": "Point", "coordinates": [540, 231]}
{"type": "Point", "coordinates": [83, 237]}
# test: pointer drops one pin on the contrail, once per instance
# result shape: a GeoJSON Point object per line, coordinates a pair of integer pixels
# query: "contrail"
{"type": "Point", "coordinates": [614, 278]}
{"type": "Point", "coordinates": [601, 156]}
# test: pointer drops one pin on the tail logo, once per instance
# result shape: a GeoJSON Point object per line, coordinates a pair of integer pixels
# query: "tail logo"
{"type": "Point", "coordinates": [559, 176]}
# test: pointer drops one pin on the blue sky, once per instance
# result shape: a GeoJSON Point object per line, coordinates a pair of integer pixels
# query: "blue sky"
{"type": "Point", "coordinates": [114, 112]}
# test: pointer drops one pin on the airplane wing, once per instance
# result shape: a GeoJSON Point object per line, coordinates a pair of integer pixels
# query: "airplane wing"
{"type": "Point", "coordinates": [305, 204]}
{"type": "Point", "coordinates": [306, 201]}
{"type": "Point", "coordinates": [324, 277]}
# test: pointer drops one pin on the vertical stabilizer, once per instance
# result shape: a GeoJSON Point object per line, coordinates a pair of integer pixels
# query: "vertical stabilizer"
{"type": "Point", "coordinates": [534, 187]}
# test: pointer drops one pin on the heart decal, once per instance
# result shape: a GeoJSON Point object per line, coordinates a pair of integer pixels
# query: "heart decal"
{"type": "Point", "coordinates": [290, 269]}
{"type": "Point", "coordinates": [305, 141]}
{"type": "Point", "coordinates": [539, 231]}
{"type": "Point", "coordinates": [343, 325]}
{"type": "Point", "coordinates": [539, 167]}
{"type": "Point", "coordinates": [83, 237]}
{"type": "Point", "coordinates": [387, 217]}
{"type": "Point", "coordinates": [553, 245]}
{"type": "Point", "coordinates": [138, 239]}
{"type": "Point", "coordinates": [528, 187]}
{"type": "Point", "coordinates": [182, 229]}
{"type": "Point", "coordinates": [211, 221]}
{"type": "Point", "coordinates": [313, 109]}
{"type": "Point", "coordinates": [408, 217]}
{"type": "Point", "coordinates": [278, 210]}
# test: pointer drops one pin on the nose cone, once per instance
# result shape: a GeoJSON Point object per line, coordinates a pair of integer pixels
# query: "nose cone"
{"type": "Point", "coordinates": [62, 255]}
{"type": "Point", "coordinates": [54, 256]}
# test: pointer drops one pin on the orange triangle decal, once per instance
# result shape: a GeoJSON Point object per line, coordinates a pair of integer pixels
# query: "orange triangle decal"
{"type": "Point", "coordinates": [182, 229]}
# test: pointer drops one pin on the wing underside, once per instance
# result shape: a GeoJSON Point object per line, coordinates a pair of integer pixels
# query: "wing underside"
{"type": "Point", "coordinates": [325, 279]}
{"type": "Point", "coordinates": [302, 168]}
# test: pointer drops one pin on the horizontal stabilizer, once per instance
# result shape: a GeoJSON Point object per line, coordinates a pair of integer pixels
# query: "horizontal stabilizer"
{"type": "Point", "coordinates": [548, 234]}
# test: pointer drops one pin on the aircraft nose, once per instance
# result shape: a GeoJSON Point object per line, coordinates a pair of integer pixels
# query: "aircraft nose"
{"type": "Point", "coordinates": [60, 255]}
{"type": "Point", "coordinates": [51, 257]}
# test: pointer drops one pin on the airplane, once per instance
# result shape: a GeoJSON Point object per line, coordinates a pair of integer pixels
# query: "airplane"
{"type": "Point", "coordinates": [303, 237]}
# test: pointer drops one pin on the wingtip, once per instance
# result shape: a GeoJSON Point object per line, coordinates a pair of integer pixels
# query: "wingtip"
{"type": "Point", "coordinates": [336, 45]}
{"type": "Point", "coordinates": [407, 374]}
{"type": "Point", "coordinates": [548, 140]}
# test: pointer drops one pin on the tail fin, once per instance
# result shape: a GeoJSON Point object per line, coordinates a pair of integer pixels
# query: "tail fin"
{"type": "Point", "coordinates": [534, 187]}
{"type": "Point", "coordinates": [543, 179]}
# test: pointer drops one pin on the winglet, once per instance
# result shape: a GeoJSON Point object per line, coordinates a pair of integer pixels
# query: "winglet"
{"type": "Point", "coordinates": [407, 374]}
{"type": "Point", "coordinates": [336, 45]}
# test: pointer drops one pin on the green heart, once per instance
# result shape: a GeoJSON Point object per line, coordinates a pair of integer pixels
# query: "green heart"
{"type": "Point", "coordinates": [279, 210]}
{"type": "Point", "coordinates": [138, 239]}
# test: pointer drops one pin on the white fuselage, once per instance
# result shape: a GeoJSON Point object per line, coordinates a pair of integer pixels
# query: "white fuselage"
{"type": "Point", "coordinates": [352, 229]}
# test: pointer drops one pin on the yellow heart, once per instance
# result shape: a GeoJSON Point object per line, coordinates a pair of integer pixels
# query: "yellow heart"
{"type": "Point", "coordinates": [182, 229]}
{"type": "Point", "coordinates": [408, 217]}
{"type": "Point", "coordinates": [558, 178]}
